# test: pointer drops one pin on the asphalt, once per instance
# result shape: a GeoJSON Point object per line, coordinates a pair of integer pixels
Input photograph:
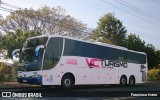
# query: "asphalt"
{"type": "Point", "coordinates": [107, 92]}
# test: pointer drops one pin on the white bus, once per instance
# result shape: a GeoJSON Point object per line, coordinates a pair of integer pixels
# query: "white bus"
{"type": "Point", "coordinates": [59, 60]}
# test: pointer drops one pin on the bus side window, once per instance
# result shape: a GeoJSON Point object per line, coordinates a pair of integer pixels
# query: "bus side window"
{"type": "Point", "coordinates": [53, 52]}
{"type": "Point", "coordinates": [121, 59]}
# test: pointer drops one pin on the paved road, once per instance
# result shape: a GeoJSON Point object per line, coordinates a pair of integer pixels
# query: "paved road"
{"type": "Point", "coordinates": [113, 92]}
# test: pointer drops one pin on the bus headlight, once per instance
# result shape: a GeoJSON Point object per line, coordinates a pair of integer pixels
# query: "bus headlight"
{"type": "Point", "coordinates": [35, 76]}
{"type": "Point", "coordinates": [19, 76]}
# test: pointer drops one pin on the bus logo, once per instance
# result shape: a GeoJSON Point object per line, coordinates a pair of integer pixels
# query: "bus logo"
{"type": "Point", "coordinates": [91, 62]}
{"type": "Point", "coordinates": [105, 63]}
{"type": "Point", "coordinates": [114, 63]}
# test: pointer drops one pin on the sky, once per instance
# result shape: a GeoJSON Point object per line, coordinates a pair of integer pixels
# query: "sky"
{"type": "Point", "coordinates": [141, 17]}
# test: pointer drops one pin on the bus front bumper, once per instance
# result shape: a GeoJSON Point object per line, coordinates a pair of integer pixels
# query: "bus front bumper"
{"type": "Point", "coordinates": [30, 80]}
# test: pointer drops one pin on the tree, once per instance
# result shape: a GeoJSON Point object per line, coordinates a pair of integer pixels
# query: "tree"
{"type": "Point", "coordinates": [46, 20]}
{"type": "Point", "coordinates": [133, 42]}
{"type": "Point", "coordinates": [110, 29]}
{"type": "Point", "coordinates": [14, 40]}
{"type": "Point", "coordinates": [153, 56]}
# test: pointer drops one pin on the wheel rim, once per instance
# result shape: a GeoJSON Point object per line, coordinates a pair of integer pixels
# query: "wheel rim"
{"type": "Point", "coordinates": [123, 81]}
{"type": "Point", "coordinates": [131, 81]}
{"type": "Point", "coordinates": [67, 82]}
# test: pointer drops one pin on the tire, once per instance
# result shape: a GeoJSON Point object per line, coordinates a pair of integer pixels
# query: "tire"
{"type": "Point", "coordinates": [123, 81]}
{"type": "Point", "coordinates": [67, 82]}
{"type": "Point", "coordinates": [131, 81]}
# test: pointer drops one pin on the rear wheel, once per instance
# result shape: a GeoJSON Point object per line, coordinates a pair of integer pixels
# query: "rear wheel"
{"type": "Point", "coordinates": [67, 82]}
{"type": "Point", "coordinates": [131, 81]}
{"type": "Point", "coordinates": [123, 81]}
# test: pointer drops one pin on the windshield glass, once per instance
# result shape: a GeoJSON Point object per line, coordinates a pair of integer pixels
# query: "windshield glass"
{"type": "Point", "coordinates": [28, 59]}
{"type": "Point", "coordinates": [34, 42]}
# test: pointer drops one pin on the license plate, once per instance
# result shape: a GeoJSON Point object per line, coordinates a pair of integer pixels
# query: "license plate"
{"type": "Point", "coordinates": [24, 80]}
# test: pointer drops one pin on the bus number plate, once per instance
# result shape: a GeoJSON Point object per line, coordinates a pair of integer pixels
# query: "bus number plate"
{"type": "Point", "coordinates": [24, 80]}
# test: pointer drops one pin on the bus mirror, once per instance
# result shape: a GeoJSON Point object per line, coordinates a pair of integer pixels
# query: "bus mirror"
{"type": "Point", "coordinates": [14, 51]}
{"type": "Point", "coordinates": [45, 47]}
{"type": "Point", "coordinates": [37, 49]}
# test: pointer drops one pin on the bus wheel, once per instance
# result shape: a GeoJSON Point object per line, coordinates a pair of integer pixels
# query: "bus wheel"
{"type": "Point", "coordinates": [132, 81]}
{"type": "Point", "coordinates": [67, 82]}
{"type": "Point", "coordinates": [123, 81]}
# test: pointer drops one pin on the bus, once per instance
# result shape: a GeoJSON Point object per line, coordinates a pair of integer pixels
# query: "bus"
{"type": "Point", "coordinates": [50, 60]}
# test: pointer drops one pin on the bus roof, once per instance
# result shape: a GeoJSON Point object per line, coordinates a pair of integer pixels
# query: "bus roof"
{"type": "Point", "coordinates": [96, 43]}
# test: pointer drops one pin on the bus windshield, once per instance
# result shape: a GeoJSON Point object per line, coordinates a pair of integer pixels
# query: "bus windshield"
{"type": "Point", "coordinates": [30, 61]}
{"type": "Point", "coordinates": [28, 58]}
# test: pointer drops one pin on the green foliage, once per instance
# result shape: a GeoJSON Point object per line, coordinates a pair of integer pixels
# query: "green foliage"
{"type": "Point", "coordinates": [14, 40]}
{"type": "Point", "coordinates": [5, 72]}
{"type": "Point", "coordinates": [154, 74]}
{"type": "Point", "coordinates": [5, 78]}
{"type": "Point", "coordinates": [110, 29]}
{"type": "Point", "coordinates": [15, 70]}
{"type": "Point", "coordinates": [152, 56]}
{"type": "Point", "coordinates": [8, 76]}
{"type": "Point", "coordinates": [133, 42]}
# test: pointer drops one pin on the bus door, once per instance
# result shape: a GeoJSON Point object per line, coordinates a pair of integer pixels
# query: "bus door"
{"type": "Point", "coordinates": [144, 73]}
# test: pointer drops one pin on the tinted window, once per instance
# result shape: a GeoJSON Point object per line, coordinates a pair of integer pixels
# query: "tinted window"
{"type": "Point", "coordinates": [122, 55]}
{"type": "Point", "coordinates": [136, 58]}
{"type": "Point", "coordinates": [112, 54]}
{"type": "Point", "coordinates": [101, 52]}
{"type": "Point", "coordinates": [72, 48]}
{"type": "Point", "coordinates": [36, 42]}
{"type": "Point", "coordinates": [88, 50]}
{"type": "Point", "coordinates": [78, 48]}
{"type": "Point", "coordinates": [53, 52]}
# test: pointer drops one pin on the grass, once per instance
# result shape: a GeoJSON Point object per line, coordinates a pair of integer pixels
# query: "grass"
{"type": "Point", "coordinates": [154, 74]}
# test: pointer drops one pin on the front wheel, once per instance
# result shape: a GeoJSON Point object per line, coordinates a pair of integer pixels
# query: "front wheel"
{"type": "Point", "coordinates": [67, 82]}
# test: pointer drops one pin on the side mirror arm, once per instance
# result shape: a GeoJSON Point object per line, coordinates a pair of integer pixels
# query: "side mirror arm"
{"type": "Point", "coordinates": [14, 51]}
{"type": "Point", "coordinates": [37, 49]}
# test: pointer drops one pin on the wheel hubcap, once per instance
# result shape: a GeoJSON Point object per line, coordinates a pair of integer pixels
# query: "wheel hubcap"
{"type": "Point", "coordinates": [67, 82]}
{"type": "Point", "coordinates": [131, 82]}
{"type": "Point", "coordinates": [123, 81]}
